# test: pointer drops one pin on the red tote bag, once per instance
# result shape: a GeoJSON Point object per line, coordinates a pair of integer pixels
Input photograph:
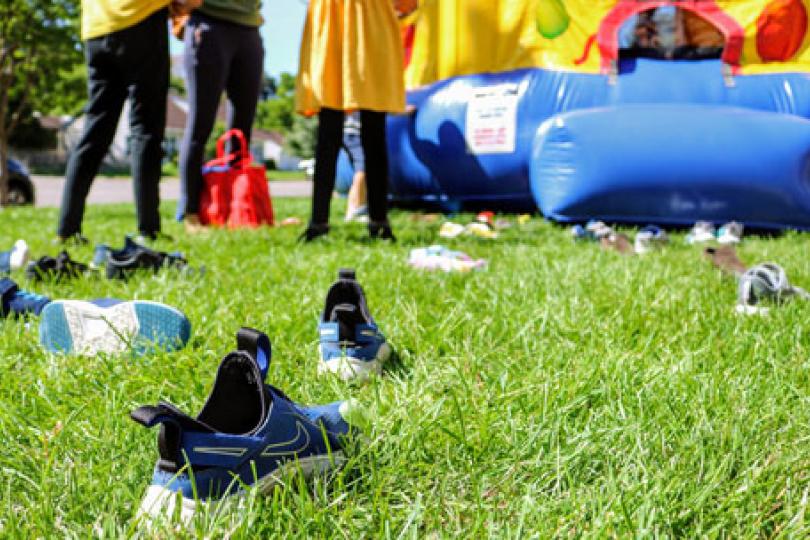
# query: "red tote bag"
{"type": "Point", "coordinates": [235, 190]}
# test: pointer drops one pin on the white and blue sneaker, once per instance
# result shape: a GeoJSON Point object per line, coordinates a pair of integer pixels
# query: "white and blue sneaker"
{"type": "Point", "coordinates": [351, 345]}
{"type": "Point", "coordinates": [702, 231]}
{"type": "Point", "coordinates": [111, 326]}
{"type": "Point", "coordinates": [650, 238]}
{"type": "Point", "coordinates": [730, 233]}
{"type": "Point", "coordinates": [593, 231]}
{"type": "Point", "coordinates": [248, 435]}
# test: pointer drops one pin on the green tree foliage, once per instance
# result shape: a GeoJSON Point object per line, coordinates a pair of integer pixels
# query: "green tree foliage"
{"type": "Point", "coordinates": [300, 140]}
{"type": "Point", "coordinates": [69, 91]}
{"type": "Point", "coordinates": [277, 113]}
{"type": "Point", "coordinates": [39, 52]}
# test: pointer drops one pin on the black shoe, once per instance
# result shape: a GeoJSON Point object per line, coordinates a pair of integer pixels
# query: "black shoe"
{"type": "Point", "coordinates": [133, 256]}
{"type": "Point", "coordinates": [49, 268]}
{"type": "Point", "coordinates": [381, 231]}
{"type": "Point", "coordinates": [314, 230]}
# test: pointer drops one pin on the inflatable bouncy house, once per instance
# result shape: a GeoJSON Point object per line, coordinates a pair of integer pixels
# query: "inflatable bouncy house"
{"type": "Point", "coordinates": [621, 110]}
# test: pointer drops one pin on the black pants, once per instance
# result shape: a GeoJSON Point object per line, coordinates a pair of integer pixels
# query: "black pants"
{"type": "Point", "coordinates": [218, 56]}
{"type": "Point", "coordinates": [132, 63]}
{"type": "Point", "coordinates": [330, 139]}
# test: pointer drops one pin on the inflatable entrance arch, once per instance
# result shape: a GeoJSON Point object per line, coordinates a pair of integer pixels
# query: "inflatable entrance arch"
{"type": "Point", "coordinates": [527, 104]}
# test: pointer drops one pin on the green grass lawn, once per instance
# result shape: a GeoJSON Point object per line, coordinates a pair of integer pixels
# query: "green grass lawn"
{"type": "Point", "coordinates": [564, 391]}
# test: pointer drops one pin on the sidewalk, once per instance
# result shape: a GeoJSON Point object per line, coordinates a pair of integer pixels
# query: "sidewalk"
{"type": "Point", "coordinates": [119, 190]}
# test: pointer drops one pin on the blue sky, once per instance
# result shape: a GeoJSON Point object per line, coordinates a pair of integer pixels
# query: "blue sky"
{"type": "Point", "coordinates": [283, 22]}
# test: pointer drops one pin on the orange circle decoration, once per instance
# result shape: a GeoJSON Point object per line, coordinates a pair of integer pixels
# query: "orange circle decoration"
{"type": "Point", "coordinates": [405, 7]}
{"type": "Point", "coordinates": [781, 29]}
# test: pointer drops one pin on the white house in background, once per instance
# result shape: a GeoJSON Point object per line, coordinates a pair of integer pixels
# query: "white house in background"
{"type": "Point", "coordinates": [273, 147]}
{"type": "Point", "coordinates": [118, 154]}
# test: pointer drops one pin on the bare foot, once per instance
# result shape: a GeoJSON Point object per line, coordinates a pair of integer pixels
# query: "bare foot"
{"type": "Point", "coordinates": [193, 224]}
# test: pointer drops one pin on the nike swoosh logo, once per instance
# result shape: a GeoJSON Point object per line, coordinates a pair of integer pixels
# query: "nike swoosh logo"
{"type": "Point", "coordinates": [297, 444]}
{"type": "Point", "coordinates": [221, 450]}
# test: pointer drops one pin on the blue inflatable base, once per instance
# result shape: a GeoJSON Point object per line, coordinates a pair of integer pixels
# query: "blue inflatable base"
{"type": "Point", "coordinates": [674, 165]}
{"type": "Point", "coordinates": [669, 142]}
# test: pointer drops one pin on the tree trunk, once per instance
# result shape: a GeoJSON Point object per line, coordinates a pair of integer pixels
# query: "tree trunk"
{"type": "Point", "coordinates": [3, 168]}
{"type": "Point", "coordinates": [5, 84]}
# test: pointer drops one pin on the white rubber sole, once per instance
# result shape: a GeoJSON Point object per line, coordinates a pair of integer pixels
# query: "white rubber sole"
{"type": "Point", "coordinates": [160, 503]}
{"type": "Point", "coordinates": [354, 369]}
{"type": "Point", "coordinates": [742, 309]}
{"type": "Point", "coordinates": [74, 326]}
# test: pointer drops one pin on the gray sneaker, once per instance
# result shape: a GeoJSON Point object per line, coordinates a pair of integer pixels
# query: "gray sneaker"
{"type": "Point", "coordinates": [730, 233]}
{"type": "Point", "coordinates": [765, 282]}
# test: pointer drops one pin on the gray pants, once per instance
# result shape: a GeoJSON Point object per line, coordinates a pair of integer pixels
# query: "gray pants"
{"type": "Point", "coordinates": [219, 56]}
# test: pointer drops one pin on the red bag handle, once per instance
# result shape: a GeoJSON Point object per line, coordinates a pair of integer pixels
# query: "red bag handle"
{"type": "Point", "coordinates": [246, 158]}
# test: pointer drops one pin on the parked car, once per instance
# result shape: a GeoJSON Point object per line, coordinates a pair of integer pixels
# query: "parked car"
{"type": "Point", "coordinates": [20, 187]}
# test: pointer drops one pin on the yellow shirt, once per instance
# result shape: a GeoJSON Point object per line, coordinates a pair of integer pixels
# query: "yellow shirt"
{"type": "Point", "coordinates": [101, 17]}
{"type": "Point", "coordinates": [351, 58]}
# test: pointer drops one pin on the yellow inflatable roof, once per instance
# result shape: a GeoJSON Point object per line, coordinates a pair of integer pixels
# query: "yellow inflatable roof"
{"type": "Point", "coordinates": [447, 38]}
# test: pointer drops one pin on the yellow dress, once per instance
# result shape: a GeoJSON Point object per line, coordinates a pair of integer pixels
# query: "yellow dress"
{"type": "Point", "coordinates": [351, 58]}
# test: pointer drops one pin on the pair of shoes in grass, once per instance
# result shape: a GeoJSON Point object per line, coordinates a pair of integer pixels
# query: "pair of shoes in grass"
{"type": "Point", "coordinates": [118, 263]}
{"type": "Point", "coordinates": [647, 239]}
{"type": "Point", "coordinates": [704, 231]}
{"type": "Point", "coordinates": [249, 434]}
{"type": "Point", "coordinates": [376, 231]}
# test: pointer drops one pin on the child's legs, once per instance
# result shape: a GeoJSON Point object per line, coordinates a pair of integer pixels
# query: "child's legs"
{"type": "Point", "coordinates": [206, 62]}
{"type": "Point", "coordinates": [375, 150]}
{"type": "Point", "coordinates": [330, 137]}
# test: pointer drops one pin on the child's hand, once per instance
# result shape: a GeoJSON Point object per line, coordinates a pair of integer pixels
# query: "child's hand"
{"type": "Point", "coordinates": [184, 7]}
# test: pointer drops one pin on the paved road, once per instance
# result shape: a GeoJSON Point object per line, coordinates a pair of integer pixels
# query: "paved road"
{"type": "Point", "coordinates": [119, 190]}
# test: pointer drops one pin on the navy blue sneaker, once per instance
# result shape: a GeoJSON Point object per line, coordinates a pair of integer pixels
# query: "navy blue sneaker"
{"type": "Point", "coordinates": [249, 434]}
{"type": "Point", "coordinates": [351, 345]}
{"type": "Point", "coordinates": [120, 263]}
{"type": "Point", "coordinates": [15, 302]}
{"type": "Point", "coordinates": [112, 326]}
